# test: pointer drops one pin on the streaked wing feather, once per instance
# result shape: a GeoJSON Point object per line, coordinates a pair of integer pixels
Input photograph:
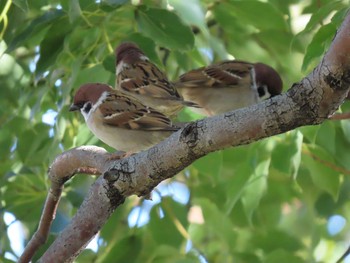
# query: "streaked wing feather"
{"type": "Point", "coordinates": [144, 78]}
{"type": "Point", "coordinates": [224, 74]}
{"type": "Point", "coordinates": [122, 112]}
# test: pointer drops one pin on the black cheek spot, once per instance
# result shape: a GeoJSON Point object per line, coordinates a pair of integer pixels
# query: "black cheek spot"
{"type": "Point", "coordinates": [87, 107]}
{"type": "Point", "coordinates": [261, 91]}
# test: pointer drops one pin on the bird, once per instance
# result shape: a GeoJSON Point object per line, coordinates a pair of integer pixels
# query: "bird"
{"type": "Point", "coordinates": [119, 120]}
{"type": "Point", "coordinates": [136, 75]}
{"type": "Point", "coordinates": [228, 85]}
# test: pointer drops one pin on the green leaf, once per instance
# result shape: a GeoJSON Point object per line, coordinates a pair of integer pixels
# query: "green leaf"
{"type": "Point", "coordinates": [210, 166]}
{"type": "Point", "coordinates": [255, 189]}
{"type": "Point", "coordinates": [280, 45]}
{"type": "Point", "coordinates": [286, 155]}
{"type": "Point", "coordinates": [191, 12]}
{"type": "Point", "coordinates": [109, 63]}
{"type": "Point", "coordinates": [92, 74]}
{"type": "Point", "coordinates": [31, 143]}
{"type": "Point", "coordinates": [74, 11]}
{"type": "Point", "coordinates": [322, 175]}
{"type": "Point", "coordinates": [114, 2]}
{"type": "Point", "coordinates": [174, 213]}
{"type": "Point", "coordinates": [318, 44]}
{"type": "Point", "coordinates": [24, 196]}
{"type": "Point", "coordinates": [125, 250]}
{"type": "Point", "coordinates": [85, 256]}
{"type": "Point", "coordinates": [6, 142]}
{"type": "Point", "coordinates": [342, 150]}
{"type": "Point", "coordinates": [52, 45]}
{"type": "Point", "coordinates": [164, 27]}
{"type": "Point", "coordinates": [238, 171]}
{"type": "Point", "coordinates": [23, 4]}
{"type": "Point", "coordinates": [35, 26]}
{"type": "Point", "coordinates": [322, 13]}
{"type": "Point", "coordinates": [262, 15]}
{"type": "Point", "coordinates": [116, 229]}
{"type": "Point", "coordinates": [345, 126]}
{"type": "Point", "coordinates": [281, 255]}
{"type": "Point", "coordinates": [309, 133]}
{"type": "Point", "coordinates": [82, 39]}
{"type": "Point", "coordinates": [168, 254]}
{"type": "Point", "coordinates": [216, 223]}
{"type": "Point", "coordinates": [326, 136]}
{"type": "Point", "coordinates": [272, 239]}
{"type": "Point", "coordinates": [84, 135]}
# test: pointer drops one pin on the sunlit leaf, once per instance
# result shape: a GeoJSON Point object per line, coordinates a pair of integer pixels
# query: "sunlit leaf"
{"type": "Point", "coordinates": [174, 216]}
{"type": "Point", "coordinates": [319, 163]}
{"type": "Point", "coordinates": [36, 25]}
{"type": "Point", "coordinates": [24, 196]}
{"type": "Point", "coordinates": [319, 43]}
{"type": "Point", "coordinates": [286, 155]}
{"type": "Point", "coordinates": [21, 4]}
{"type": "Point", "coordinates": [321, 12]}
{"type": "Point", "coordinates": [258, 14]}
{"type": "Point", "coordinates": [256, 188]}
{"type": "Point", "coordinates": [74, 11]}
{"type": "Point", "coordinates": [280, 255]}
{"type": "Point", "coordinates": [164, 27]}
{"type": "Point", "coordinates": [52, 45]}
{"type": "Point", "coordinates": [126, 250]}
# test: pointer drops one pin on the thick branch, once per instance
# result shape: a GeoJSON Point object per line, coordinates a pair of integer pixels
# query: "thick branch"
{"type": "Point", "coordinates": [307, 103]}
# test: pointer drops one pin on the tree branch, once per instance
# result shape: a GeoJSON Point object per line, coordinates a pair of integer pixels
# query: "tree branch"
{"type": "Point", "coordinates": [308, 102]}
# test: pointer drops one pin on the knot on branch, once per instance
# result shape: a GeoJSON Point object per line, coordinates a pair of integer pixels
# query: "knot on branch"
{"type": "Point", "coordinates": [114, 195]}
{"type": "Point", "coordinates": [120, 176]}
{"type": "Point", "coordinates": [338, 82]}
{"type": "Point", "coordinates": [189, 134]}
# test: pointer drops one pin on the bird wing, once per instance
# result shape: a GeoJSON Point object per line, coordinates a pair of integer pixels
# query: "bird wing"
{"type": "Point", "coordinates": [125, 112]}
{"type": "Point", "coordinates": [144, 78]}
{"type": "Point", "coordinates": [231, 73]}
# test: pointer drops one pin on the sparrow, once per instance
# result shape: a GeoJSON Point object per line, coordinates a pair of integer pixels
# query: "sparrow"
{"type": "Point", "coordinates": [136, 75]}
{"type": "Point", "coordinates": [119, 120]}
{"type": "Point", "coordinates": [229, 85]}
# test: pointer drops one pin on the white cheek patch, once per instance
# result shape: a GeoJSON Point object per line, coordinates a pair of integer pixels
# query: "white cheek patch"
{"type": "Point", "coordinates": [120, 67]}
{"type": "Point", "coordinates": [253, 78]}
{"type": "Point", "coordinates": [85, 114]}
{"type": "Point", "coordinates": [144, 58]}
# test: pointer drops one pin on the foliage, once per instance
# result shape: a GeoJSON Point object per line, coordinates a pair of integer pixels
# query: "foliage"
{"type": "Point", "coordinates": [262, 202]}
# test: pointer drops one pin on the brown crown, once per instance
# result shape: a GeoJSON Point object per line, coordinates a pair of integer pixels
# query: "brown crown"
{"type": "Point", "coordinates": [129, 52]}
{"type": "Point", "coordinates": [266, 75]}
{"type": "Point", "coordinates": [90, 92]}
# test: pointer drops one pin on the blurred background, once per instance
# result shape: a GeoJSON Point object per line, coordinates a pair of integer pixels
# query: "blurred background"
{"type": "Point", "coordinates": [282, 198]}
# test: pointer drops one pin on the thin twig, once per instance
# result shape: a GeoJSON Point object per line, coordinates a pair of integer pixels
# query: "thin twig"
{"type": "Point", "coordinates": [59, 173]}
{"type": "Point", "coordinates": [340, 116]}
{"type": "Point", "coordinates": [327, 163]}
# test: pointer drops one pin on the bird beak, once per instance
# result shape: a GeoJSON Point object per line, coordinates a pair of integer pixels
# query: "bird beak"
{"type": "Point", "coordinates": [74, 107]}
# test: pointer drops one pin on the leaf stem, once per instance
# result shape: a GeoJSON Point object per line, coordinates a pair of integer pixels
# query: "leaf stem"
{"type": "Point", "coordinates": [3, 17]}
